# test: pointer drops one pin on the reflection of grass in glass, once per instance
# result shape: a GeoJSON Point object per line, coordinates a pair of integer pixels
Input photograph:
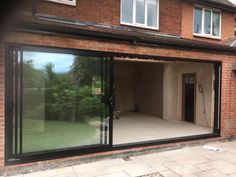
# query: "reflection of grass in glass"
{"type": "Point", "coordinates": [39, 135]}
{"type": "Point", "coordinates": [33, 103]}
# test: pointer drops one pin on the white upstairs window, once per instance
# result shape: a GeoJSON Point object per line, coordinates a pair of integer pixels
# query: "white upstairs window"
{"type": "Point", "coordinates": [140, 13]}
{"type": "Point", "coordinates": [207, 22]}
{"type": "Point", "coordinates": [68, 2]}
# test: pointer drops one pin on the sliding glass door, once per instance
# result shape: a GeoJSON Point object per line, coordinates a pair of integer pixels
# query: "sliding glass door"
{"type": "Point", "coordinates": [59, 101]}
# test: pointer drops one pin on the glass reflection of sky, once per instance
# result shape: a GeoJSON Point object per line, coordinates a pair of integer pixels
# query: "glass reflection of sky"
{"type": "Point", "coordinates": [62, 62]}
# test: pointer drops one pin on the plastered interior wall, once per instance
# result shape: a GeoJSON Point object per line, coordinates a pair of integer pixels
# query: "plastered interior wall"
{"type": "Point", "coordinates": [172, 94]}
{"type": "Point", "coordinates": [124, 86]}
{"type": "Point", "coordinates": [149, 88]}
{"type": "Point", "coordinates": [140, 84]}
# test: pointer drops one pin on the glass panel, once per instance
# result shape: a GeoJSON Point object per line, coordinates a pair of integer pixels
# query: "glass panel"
{"type": "Point", "coordinates": [140, 11]}
{"type": "Point", "coordinates": [216, 24]}
{"type": "Point", "coordinates": [16, 56]}
{"type": "Point", "coordinates": [62, 101]}
{"type": "Point", "coordinates": [127, 11]}
{"type": "Point", "coordinates": [198, 20]}
{"type": "Point", "coordinates": [207, 24]}
{"type": "Point", "coordinates": [152, 13]}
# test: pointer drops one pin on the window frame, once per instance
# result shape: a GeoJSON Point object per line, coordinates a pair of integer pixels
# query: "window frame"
{"type": "Point", "coordinates": [134, 24]}
{"type": "Point", "coordinates": [67, 2]}
{"type": "Point", "coordinates": [212, 10]}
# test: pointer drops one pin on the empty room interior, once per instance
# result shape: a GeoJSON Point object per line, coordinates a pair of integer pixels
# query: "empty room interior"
{"type": "Point", "coordinates": [156, 100]}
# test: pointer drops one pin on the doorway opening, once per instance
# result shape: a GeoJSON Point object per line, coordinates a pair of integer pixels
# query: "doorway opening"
{"type": "Point", "coordinates": [189, 86]}
{"type": "Point", "coordinates": [159, 100]}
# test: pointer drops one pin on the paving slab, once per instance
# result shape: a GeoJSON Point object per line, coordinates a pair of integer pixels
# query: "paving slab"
{"type": "Point", "coordinates": [190, 175]}
{"type": "Point", "coordinates": [183, 168]}
{"type": "Point", "coordinates": [46, 173]}
{"type": "Point", "coordinates": [223, 166]}
{"type": "Point", "coordinates": [186, 162]}
{"type": "Point", "coordinates": [67, 175]}
{"type": "Point", "coordinates": [119, 174]}
{"type": "Point", "coordinates": [169, 173]}
{"type": "Point", "coordinates": [211, 173]}
{"type": "Point", "coordinates": [65, 170]}
{"type": "Point", "coordinates": [203, 166]}
{"type": "Point", "coordinates": [138, 169]}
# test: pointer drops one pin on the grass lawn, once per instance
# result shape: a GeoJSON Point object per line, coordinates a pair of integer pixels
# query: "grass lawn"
{"type": "Point", "coordinates": [40, 135]}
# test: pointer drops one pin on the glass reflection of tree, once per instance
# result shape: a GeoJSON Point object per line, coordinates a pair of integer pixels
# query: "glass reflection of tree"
{"type": "Point", "coordinates": [33, 84]}
{"type": "Point", "coordinates": [87, 75]}
{"type": "Point", "coordinates": [70, 96]}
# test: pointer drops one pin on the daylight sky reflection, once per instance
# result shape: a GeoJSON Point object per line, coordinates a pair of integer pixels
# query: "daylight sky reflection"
{"type": "Point", "coordinates": [62, 62]}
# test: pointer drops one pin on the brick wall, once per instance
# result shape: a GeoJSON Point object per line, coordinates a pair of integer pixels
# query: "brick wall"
{"type": "Point", "coordinates": [187, 20]}
{"type": "Point", "coordinates": [228, 98]}
{"type": "Point", "coordinates": [170, 16]}
{"type": "Point", "coordinates": [176, 16]}
{"type": "Point", "coordinates": [228, 25]}
{"type": "Point", "coordinates": [228, 112]}
{"type": "Point", "coordinates": [100, 11]}
{"type": "Point", "coordinates": [108, 12]}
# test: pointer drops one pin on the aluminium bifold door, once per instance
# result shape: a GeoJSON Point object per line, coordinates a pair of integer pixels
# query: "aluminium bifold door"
{"type": "Point", "coordinates": [57, 102]}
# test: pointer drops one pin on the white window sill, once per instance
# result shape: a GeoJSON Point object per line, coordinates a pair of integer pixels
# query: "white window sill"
{"type": "Point", "coordinates": [139, 26]}
{"type": "Point", "coordinates": [206, 36]}
{"type": "Point", "coordinates": [63, 2]}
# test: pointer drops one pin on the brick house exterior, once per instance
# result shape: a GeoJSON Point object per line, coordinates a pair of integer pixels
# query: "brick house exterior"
{"type": "Point", "coordinates": [173, 40]}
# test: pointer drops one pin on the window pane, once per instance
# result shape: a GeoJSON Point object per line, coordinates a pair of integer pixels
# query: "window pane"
{"type": "Point", "coordinates": [140, 11]}
{"type": "Point", "coordinates": [127, 11]}
{"type": "Point", "coordinates": [198, 20]}
{"type": "Point", "coordinates": [152, 13]}
{"type": "Point", "coordinates": [207, 24]}
{"type": "Point", "coordinates": [216, 24]}
{"type": "Point", "coordinates": [62, 101]}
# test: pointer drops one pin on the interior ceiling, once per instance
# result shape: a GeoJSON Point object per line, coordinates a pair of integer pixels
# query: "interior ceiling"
{"type": "Point", "coordinates": [150, 60]}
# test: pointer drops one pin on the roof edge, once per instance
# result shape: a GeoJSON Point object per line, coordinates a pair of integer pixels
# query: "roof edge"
{"type": "Point", "coordinates": [34, 27]}
{"type": "Point", "coordinates": [215, 5]}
